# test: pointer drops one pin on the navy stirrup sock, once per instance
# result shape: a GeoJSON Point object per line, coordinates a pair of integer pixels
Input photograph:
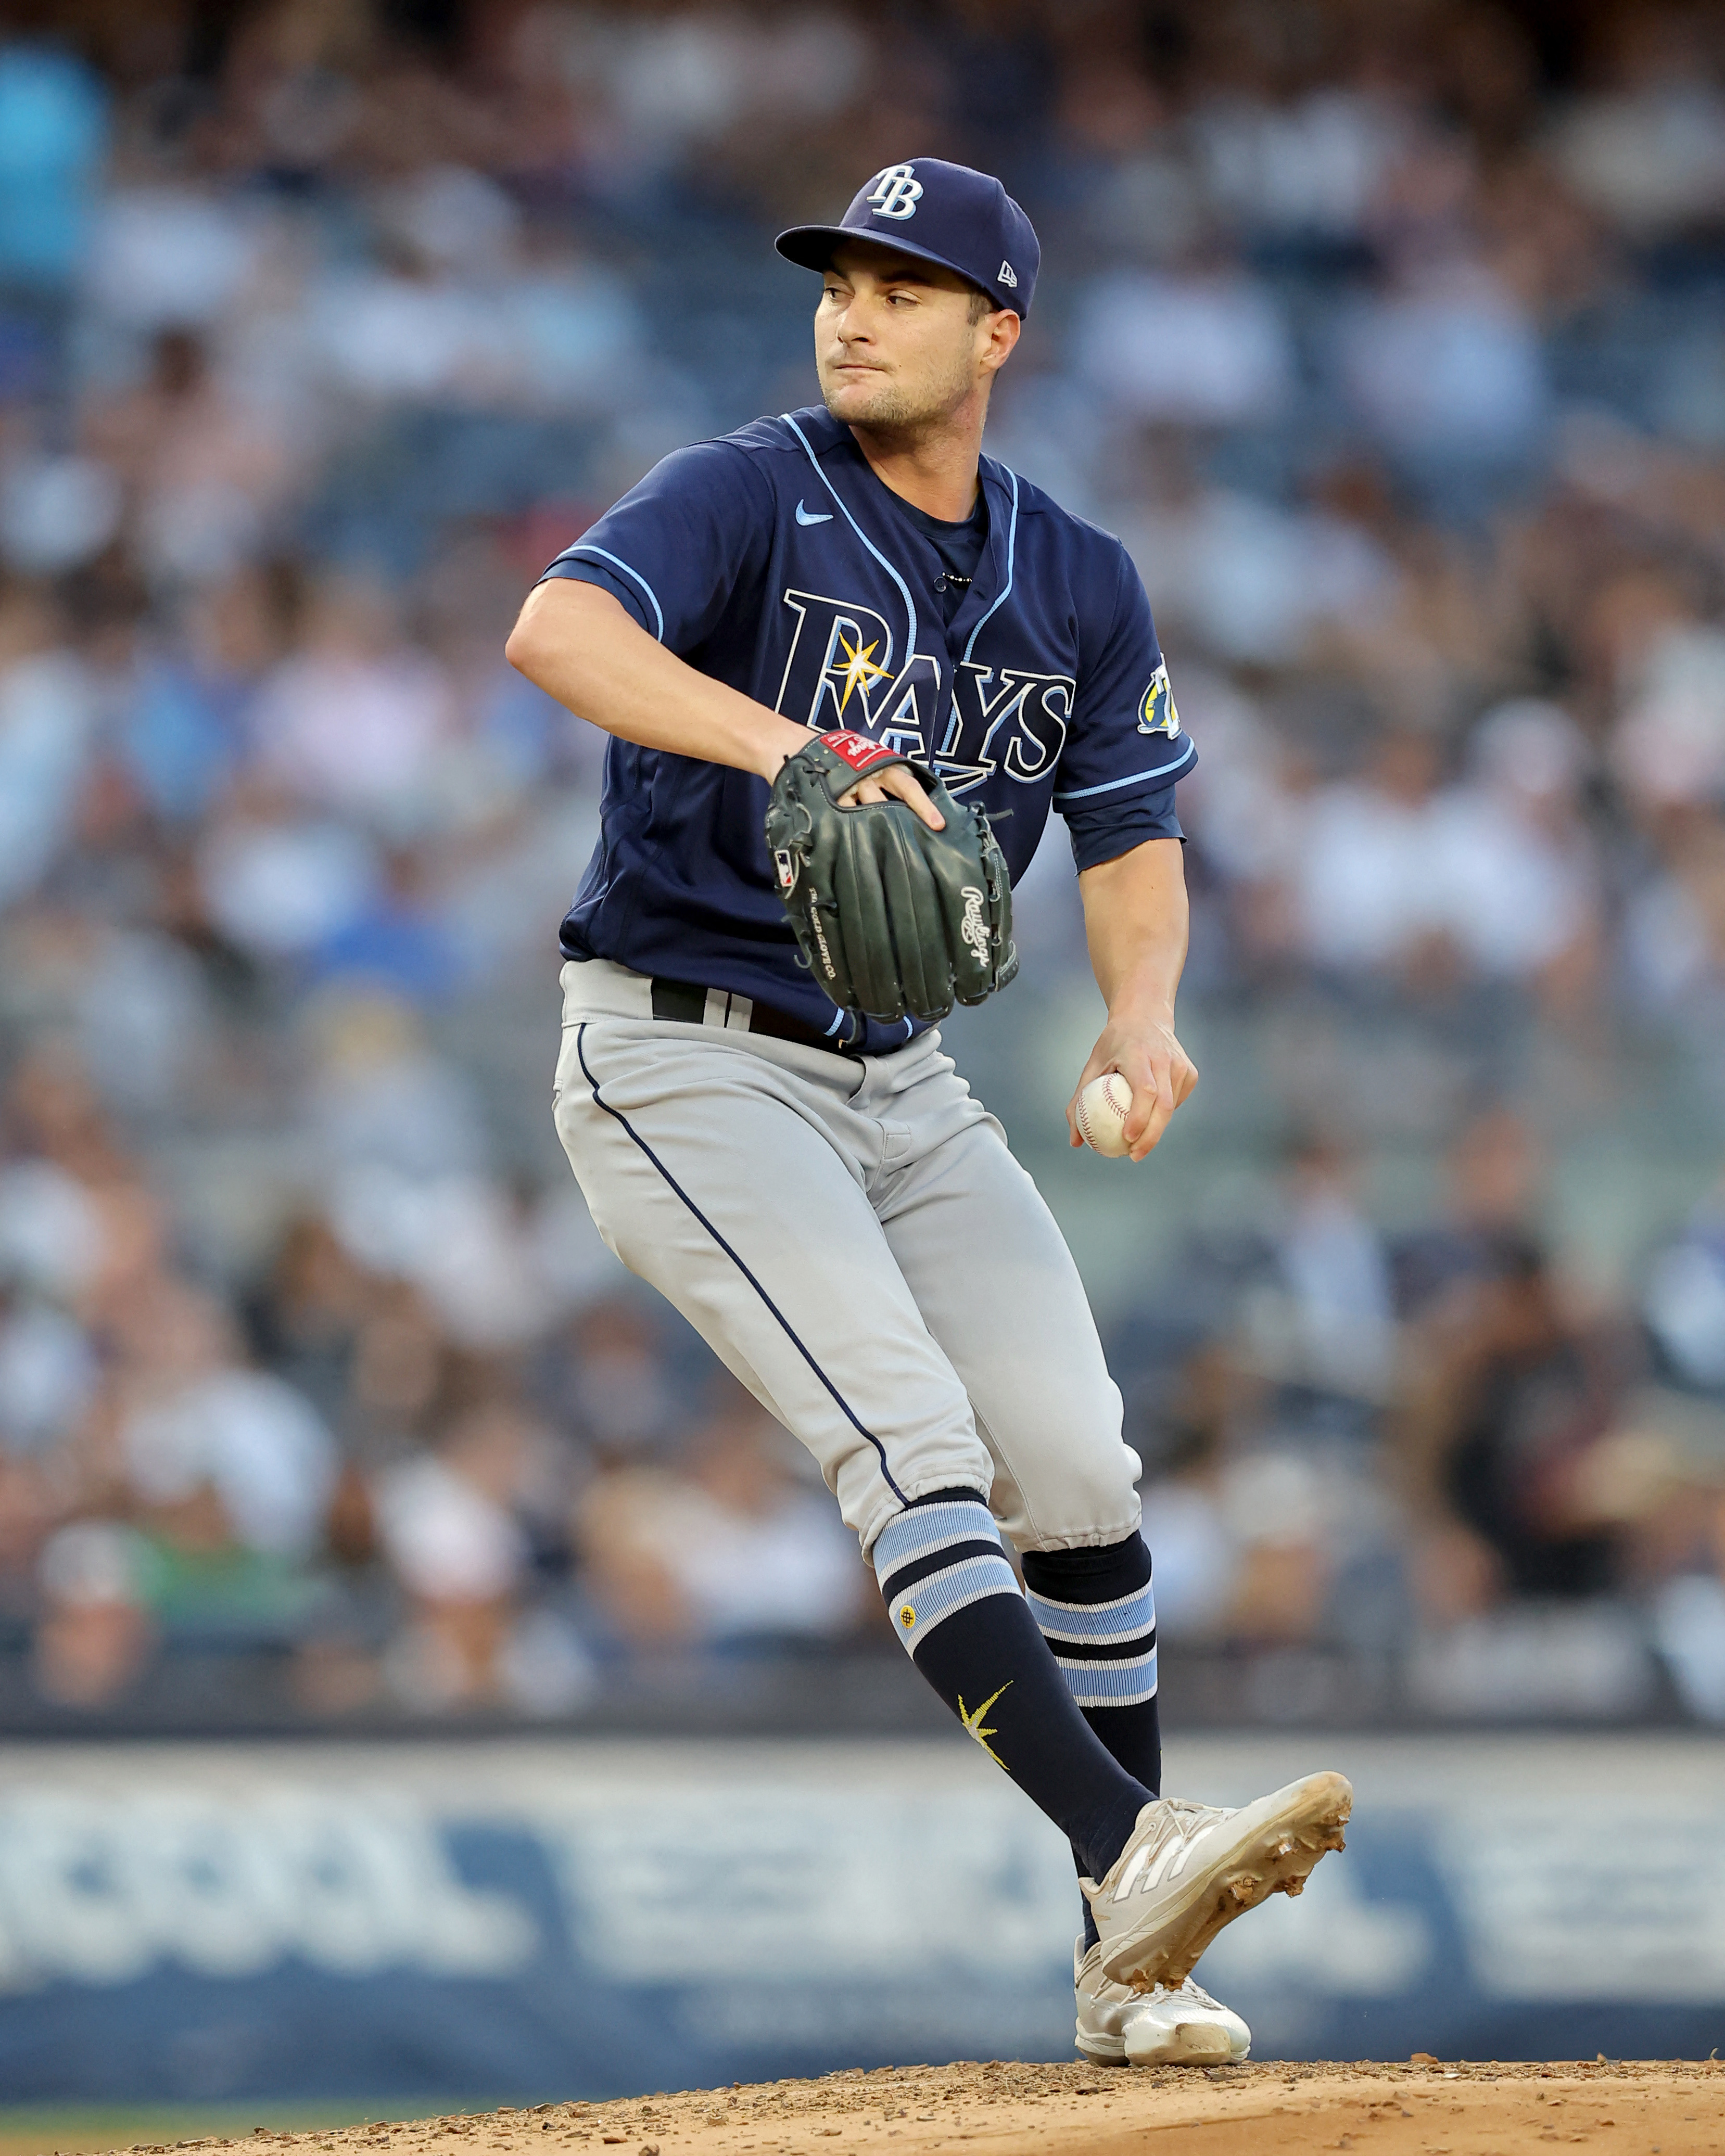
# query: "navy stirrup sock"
{"type": "Point", "coordinates": [955, 1602]}
{"type": "Point", "coordinates": [1097, 1612]}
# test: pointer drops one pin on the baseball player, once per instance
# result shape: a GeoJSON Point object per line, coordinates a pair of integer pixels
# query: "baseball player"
{"type": "Point", "coordinates": [854, 596]}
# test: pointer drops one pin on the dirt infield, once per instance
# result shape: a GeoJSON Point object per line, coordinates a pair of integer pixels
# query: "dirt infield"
{"type": "Point", "coordinates": [1640, 2108]}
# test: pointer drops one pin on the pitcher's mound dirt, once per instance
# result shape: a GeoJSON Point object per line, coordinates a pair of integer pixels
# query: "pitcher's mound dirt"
{"type": "Point", "coordinates": [1640, 2108]}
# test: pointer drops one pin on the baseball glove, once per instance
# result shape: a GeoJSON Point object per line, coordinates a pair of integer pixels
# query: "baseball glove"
{"type": "Point", "coordinates": [890, 916]}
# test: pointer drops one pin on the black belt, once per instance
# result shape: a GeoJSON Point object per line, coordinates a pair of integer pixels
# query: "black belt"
{"type": "Point", "coordinates": [685, 1003]}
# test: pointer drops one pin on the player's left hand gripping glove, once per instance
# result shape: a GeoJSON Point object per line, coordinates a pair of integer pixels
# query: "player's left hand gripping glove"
{"type": "Point", "coordinates": [891, 917]}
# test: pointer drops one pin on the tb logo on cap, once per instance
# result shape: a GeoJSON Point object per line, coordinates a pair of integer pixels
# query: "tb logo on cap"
{"type": "Point", "coordinates": [895, 192]}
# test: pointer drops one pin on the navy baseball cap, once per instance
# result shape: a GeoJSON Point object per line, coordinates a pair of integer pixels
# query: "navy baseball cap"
{"type": "Point", "coordinates": [940, 212]}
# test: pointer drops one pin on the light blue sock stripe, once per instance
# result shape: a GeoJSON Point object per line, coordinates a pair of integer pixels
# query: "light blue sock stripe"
{"type": "Point", "coordinates": [925, 1528]}
{"type": "Point", "coordinates": [920, 1608]}
{"type": "Point", "coordinates": [1110, 1684]}
{"type": "Point", "coordinates": [1122, 1619]}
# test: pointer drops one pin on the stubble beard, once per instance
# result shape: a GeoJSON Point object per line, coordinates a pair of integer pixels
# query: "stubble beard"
{"type": "Point", "coordinates": [897, 414]}
{"type": "Point", "coordinates": [886, 410]}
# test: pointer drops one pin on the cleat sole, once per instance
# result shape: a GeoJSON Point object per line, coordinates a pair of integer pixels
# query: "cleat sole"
{"type": "Point", "coordinates": [1280, 1861]}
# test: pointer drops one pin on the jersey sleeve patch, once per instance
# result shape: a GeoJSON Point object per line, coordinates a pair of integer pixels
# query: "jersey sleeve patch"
{"type": "Point", "coordinates": [1126, 732]}
{"type": "Point", "coordinates": [1156, 713]}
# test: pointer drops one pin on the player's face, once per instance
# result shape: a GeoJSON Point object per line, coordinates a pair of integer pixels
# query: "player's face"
{"type": "Point", "coordinates": [896, 344]}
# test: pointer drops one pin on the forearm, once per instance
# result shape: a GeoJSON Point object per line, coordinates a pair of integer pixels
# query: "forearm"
{"type": "Point", "coordinates": [581, 646]}
{"type": "Point", "coordinates": [1136, 923]}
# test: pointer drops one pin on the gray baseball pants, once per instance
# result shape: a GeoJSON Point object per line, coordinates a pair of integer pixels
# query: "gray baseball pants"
{"type": "Point", "coordinates": [854, 1240]}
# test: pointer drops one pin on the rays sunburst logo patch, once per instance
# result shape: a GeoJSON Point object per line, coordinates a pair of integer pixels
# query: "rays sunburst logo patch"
{"type": "Point", "coordinates": [1157, 714]}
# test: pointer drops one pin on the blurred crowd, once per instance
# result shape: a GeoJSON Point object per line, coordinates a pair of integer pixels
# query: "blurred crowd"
{"type": "Point", "coordinates": [1389, 337]}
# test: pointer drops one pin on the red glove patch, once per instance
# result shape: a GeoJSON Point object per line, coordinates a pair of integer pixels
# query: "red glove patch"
{"type": "Point", "coordinates": [858, 750]}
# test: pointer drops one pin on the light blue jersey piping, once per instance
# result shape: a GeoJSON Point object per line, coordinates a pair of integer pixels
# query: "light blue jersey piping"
{"type": "Point", "coordinates": [1012, 543]}
{"type": "Point", "coordinates": [904, 588]}
{"type": "Point", "coordinates": [617, 562]}
{"type": "Point", "coordinates": [1138, 778]}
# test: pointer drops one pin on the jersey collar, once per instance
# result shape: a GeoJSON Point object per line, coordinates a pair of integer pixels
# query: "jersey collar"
{"type": "Point", "coordinates": [868, 501]}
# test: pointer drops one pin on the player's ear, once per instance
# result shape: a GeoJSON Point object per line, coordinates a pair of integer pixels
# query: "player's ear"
{"type": "Point", "coordinates": [1004, 328]}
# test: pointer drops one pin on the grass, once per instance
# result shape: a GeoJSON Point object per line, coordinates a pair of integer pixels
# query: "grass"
{"type": "Point", "coordinates": [87, 2129]}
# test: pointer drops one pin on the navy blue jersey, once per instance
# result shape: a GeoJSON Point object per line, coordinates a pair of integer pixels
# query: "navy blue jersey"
{"type": "Point", "coordinates": [775, 561]}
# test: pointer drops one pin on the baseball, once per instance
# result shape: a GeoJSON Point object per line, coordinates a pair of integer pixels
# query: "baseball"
{"type": "Point", "coordinates": [1103, 1107]}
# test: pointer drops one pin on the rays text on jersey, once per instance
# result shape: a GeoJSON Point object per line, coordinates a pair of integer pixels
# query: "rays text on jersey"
{"type": "Point", "coordinates": [841, 671]}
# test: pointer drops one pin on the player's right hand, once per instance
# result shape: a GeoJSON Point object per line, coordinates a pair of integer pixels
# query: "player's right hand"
{"type": "Point", "coordinates": [1147, 1053]}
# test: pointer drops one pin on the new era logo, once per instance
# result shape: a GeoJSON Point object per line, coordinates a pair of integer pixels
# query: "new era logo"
{"type": "Point", "coordinates": [1009, 277]}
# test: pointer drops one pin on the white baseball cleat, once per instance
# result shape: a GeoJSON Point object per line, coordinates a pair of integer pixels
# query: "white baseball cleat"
{"type": "Point", "coordinates": [1189, 1869]}
{"type": "Point", "coordinates": [1184, 2027]}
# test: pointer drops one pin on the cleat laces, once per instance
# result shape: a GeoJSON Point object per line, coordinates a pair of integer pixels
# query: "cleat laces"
{"type": "Point", "coordinates": [1186, 1993]}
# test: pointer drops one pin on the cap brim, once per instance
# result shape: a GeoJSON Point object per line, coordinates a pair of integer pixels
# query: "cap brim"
{"type": "Point", "coordinates": [812, 247]}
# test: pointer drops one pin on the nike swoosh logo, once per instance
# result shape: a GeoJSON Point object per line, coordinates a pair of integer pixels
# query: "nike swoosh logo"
{"type": "Point", "coordinates": [810, 516]}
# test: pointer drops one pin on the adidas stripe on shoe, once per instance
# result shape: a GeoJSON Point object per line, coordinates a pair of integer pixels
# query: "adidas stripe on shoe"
{"type": "Point", "coordinates": [1189, 1869]}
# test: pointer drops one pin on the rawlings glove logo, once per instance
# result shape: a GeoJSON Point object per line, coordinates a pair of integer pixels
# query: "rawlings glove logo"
{"type": "Point", "coordinates": [973, 930]}
{"type": "Point", "coordinates": [857, 750]}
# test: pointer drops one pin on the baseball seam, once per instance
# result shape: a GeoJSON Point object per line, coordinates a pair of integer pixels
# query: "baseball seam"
{"type": "Point", "coordinates": [1087, 1104]}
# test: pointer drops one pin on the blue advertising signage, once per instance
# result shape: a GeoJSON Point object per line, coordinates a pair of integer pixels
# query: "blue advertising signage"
{"type": "Point", "coordinates": [523, 1921]}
